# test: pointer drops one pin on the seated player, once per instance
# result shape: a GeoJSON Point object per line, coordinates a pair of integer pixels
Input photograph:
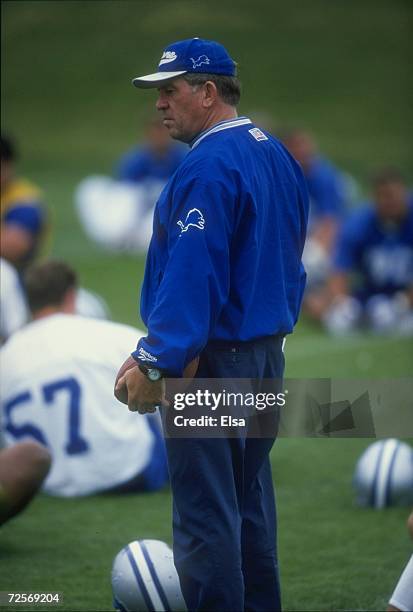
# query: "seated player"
{"type": "Point", "coordinates": [372, 282]}
{"type": "Point", "coordinates": [23, 468]}
{"type": "Point", "coordinates": [58, 375]}
{"type": "Point", "coordinates": [402, 598]}
{"type": "Point", "coordinates": [328, 187]}
{"type": "Point", "coordinates": [13, 308]}
{"type": "Point", "coordinates": [153, 162]}
{"type": "Point", "coordinates": [330, 192]}
{"type": "Point", "coordinates": [23, 216]}
{"type": "Point", "coordinates": [118, 214]}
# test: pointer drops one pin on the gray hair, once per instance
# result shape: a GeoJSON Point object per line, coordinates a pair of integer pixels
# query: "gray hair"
{"type": "Point", "coordinates": [228, 87]}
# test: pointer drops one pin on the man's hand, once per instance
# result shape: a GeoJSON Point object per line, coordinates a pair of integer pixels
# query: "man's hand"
{"type": "Point", "coordinates": [120, 391]}
{"type": "Point", "coordinates": [138, 393]}
{"type": "Point", "coordinates": [134, 389]}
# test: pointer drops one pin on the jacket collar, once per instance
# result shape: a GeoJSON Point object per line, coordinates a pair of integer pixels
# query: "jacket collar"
{"type": "Point", "coordinates": [218, 127]}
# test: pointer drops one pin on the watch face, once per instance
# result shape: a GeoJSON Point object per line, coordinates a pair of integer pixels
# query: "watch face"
{"type": "Point", "coordinates": [154, 374]}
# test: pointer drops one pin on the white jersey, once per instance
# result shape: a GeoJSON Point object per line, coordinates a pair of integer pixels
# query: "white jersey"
{"type": "Point", "coordinates": [57, 379]}
{"type": "Point", "coordinates": [13, 310]}
{"type": "Point", "coordinates": [116, 214]}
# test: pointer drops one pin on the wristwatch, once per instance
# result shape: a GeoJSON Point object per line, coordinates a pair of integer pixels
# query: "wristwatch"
{"type": "Point", "coordinates": [152, 374]}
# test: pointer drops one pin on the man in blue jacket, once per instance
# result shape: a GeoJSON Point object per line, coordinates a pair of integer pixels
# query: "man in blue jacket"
{"type": "Point", "coordinates": [223, 284]}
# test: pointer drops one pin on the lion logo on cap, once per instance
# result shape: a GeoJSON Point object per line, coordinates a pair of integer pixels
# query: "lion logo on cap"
{"type": "Point", "coordinates": [202, 59]}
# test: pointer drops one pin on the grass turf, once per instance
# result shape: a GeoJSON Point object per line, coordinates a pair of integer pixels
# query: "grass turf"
{"type": "Point", "coordinates": [340, 68]}
{"type": "Point", "coordinates": [333, 556]}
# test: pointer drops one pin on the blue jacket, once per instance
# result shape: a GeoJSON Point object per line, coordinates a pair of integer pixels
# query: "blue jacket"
{"type": "Point", "coordinates": [224, 262]}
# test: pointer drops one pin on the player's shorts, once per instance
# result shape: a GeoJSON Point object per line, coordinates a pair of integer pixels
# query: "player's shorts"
{"type": "Point", "coordinates": [402, 598]}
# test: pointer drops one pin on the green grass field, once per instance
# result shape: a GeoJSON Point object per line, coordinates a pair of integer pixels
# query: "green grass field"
{"type": "Point", "coordinates": [333, 556]}
{"type": "Point", "coordinates": [339, 67]}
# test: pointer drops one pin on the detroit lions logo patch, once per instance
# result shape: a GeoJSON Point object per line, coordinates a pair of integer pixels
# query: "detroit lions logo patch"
{"type": "Point", "coordinates": [202, 59]}
{"type": "Point", "coordinates": [193, 219]}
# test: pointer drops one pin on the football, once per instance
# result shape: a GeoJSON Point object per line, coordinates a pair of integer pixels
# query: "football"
{"type": "Point", "coordinates": [144, 578]}
{"type": "Point", "coordinates": [384, 475]}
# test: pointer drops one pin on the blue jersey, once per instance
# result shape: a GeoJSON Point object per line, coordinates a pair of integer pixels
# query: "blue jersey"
{"type": "Point", "coordinates": [381, 254]}
{"type": "Point", "coordinates": [224, 261]}
{"type": "Point", "coordinates": [326, 188]}
{"type": "Point", "coordinates": [21, 206]}
{"type": "Point", "coordinates": [141, 164]}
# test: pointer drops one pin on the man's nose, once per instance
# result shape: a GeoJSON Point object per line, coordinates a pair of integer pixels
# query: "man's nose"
{"type": "Point", "coordinates": [161, 103]}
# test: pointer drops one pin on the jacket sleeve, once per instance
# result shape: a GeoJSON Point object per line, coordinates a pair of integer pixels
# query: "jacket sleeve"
{"type": "Point", "coordinates": [195, 282]}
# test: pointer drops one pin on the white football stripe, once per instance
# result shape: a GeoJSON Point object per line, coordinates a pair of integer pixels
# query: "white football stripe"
{"type": "Point", "coordinates": [389, 450]}
{"type": "Point", "coordinates": [146, 576]}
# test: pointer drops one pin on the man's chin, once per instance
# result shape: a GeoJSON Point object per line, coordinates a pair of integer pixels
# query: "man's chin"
{"type": "Point", "coordinates": [177, 135]}
{"type": "Point", "coordinates": [173, 133]}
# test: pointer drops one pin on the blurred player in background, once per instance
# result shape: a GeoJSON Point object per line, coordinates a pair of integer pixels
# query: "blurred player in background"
{"type": "Point", "coordinates": [23, 215]}
{"type": "Point", "coordinates": [23, 231]}
{"type": "Point", "coordinates": [13, 308]}
{"type": "Point", "coordinates": [372, 281]}
{"type": "Point", "coordinates": [153, 162]}
{"type": "Point", "coordinates": [57, 388]}
{"type": "Point", "coordinates": [23, 469]}
{"type": "Point", "coordinates": [402, 597]}
{"type": "Point", "coordinates": [328, 187]}
{"type": "Point", "coordinates": [118, 214]}
{"type": "Point", "coordinates": [330, 191]}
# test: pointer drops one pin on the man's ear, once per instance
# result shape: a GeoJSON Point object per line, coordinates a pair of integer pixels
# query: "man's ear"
{"type": "Point", "coordinates": [210, 94]}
